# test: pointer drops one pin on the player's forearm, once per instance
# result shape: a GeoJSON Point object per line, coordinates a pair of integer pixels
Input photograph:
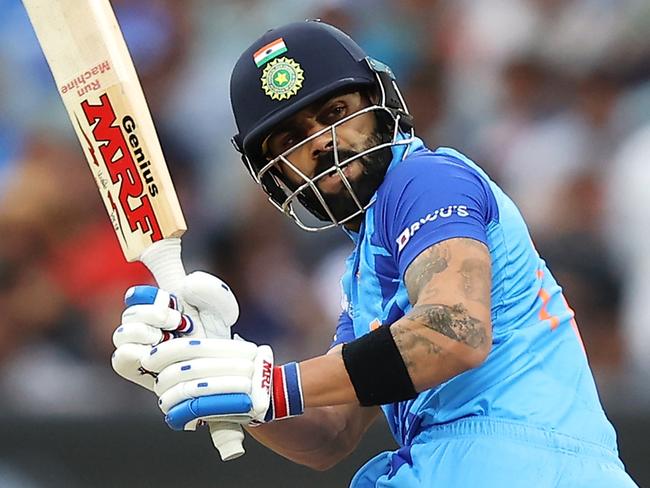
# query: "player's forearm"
{"type": "Point", "coordinates": [325, 381]}
{"type": "Point", "coordinates": [439, 341]}
{"type": "Point", "coordinates": [319, 438]}
{"type": "Point", "coordinates": [333, 421]}
{"type": "Point", "coordinates": [435, 341]}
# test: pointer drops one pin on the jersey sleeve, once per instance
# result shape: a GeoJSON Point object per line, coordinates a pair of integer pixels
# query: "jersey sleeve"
{"type": "Point", "coordinates": [344, 330]}
{"type": "Point", "coordinates": [431, 199]}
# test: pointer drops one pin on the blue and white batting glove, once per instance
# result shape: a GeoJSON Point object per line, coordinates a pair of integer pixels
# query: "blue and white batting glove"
{"type": "Point", "coordinates": [226, 380]}
{"type": "Point", "coordinates": [154, 316]}
{"type": "Point", "coordinates": [151, 317]}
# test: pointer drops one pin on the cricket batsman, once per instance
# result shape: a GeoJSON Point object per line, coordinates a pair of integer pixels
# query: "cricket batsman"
{"type": "Point", "coordinates": [452, 325]}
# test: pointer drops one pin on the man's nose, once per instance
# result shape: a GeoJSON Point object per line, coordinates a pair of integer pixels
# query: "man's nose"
{"type": "Point", "coordinates": [323, 143]}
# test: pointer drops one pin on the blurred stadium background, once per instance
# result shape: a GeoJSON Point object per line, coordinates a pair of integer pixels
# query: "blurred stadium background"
{"type": "Point", "coordinates": [551, 97]}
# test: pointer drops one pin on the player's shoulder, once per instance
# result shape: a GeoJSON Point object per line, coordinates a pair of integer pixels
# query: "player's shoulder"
{"type": "Point", "coordinates": [428, 180]}
{"type": "Point", "coordinates": [443, 168]}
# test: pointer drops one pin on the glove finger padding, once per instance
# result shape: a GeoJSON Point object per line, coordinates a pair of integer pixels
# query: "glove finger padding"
{"type": "Point", "coordinates": [230, 408]}
{"type": "Point", "coordinates": [139, 333]}
{"type": "Point", "coordinates": [154, 316]}
{"type": "Point", "coordinates": [229, 384]}
{"type": "Point", "coordinates": [149, 311]}
{"type": "Point", "coordinates": [203, 387]}
{"type": "Point", "coordinates": [186, 349]}
{"type": "Point", "coordinates": [201, 368]}
{"type": "Point", "coordinates": [126, 362]}
{"type": "Point", "coordinates": [215, 302]}
{"type": "Point", "coordinates": [155, 307]}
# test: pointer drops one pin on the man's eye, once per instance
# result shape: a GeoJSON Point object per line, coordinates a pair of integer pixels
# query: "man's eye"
{"type": "Point", "coordinates": [279, 143]}
{"type": "Point", "coordinates": [287, 141]}
{"type": "Point", "coordinates": [336, 113]}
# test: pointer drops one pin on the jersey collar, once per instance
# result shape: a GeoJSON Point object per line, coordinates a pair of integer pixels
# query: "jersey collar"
{"type": "Point", "coordinates": [400, 152]}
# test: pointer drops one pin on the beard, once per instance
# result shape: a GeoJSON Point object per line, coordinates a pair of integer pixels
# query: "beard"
{"type": "Point", "coordinates": [341, 203]}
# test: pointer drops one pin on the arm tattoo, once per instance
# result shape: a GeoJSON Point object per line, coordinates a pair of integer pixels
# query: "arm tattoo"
{"type": "Point", "coordinates": [452, 321]}
{"type": "Point", "coordinates": [476, 280]}
{"type": "Point", "coordinates": [411, 344]}
{"type": "Point", "coordinates": [441, 290]}
{"type": "Point", "coordinates": [424, 271]}
{"type": "Point", "coordinates": [473, 243]}
{"type": "Point", "coordinates": [432, 261]}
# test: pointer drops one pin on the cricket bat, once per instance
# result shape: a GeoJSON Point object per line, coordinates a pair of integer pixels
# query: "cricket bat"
{"type": "Point", "coordinates": [97, 81]}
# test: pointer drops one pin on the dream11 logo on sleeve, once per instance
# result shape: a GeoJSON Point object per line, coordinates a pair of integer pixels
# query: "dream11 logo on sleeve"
{"type": "Point", "coordinates": [122, 167]}
{"type": "Point", "coordinates": [442, 213]}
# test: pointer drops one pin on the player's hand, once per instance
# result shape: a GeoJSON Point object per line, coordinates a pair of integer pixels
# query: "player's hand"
{"type": "Point", "coordinates": [220, 379]}
{"type": "Point", "coordinates": [153, 316]}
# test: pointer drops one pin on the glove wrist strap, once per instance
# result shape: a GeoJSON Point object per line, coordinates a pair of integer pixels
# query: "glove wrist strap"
{"type": "Point", "coordinates": [286, 393]}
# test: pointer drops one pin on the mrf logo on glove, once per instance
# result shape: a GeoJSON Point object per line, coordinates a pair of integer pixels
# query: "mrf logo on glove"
{"type": "Point", "coordinates": [266, 376]}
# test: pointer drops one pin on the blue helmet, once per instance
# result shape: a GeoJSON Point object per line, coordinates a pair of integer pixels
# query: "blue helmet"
{"type": "Point", "coordinates": [288, 69]}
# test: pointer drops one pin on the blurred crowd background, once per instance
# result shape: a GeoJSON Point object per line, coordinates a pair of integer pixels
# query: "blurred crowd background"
{"type": "Point", "coordinates": [551, 97]}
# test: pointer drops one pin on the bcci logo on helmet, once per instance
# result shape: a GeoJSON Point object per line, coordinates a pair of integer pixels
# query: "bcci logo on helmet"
{"type": "Point", "coordinates": [282, 78]}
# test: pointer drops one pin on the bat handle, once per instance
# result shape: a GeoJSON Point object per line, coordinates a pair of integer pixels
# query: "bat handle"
{"type": "Point", "coordinates": [163, 258]}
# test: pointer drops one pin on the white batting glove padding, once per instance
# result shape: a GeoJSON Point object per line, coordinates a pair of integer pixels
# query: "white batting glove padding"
{"type": "Point", "coordinates": [205, 307]}
{"type": "Point", "coordinates": [136, 333]}
{"type": "Point", "coordinates": [184, 349]}
{"type": "Point", "coordinates": [217, 306]}
{"type": "Point", "coordinates": [203, 387]}
{"type": "Point", "coordinates": [152, 319]}
{"type": "Point", "coordinates": [161, 314]}
{"type": "Point", "coordinates": [198, 369]}
{"type": "Point", "coordinates": [126, 362]}
{"type": "Point", "coordinates": [191, 368]}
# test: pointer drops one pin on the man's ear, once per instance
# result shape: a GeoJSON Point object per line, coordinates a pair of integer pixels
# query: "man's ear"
{"type": "Point", "coordinates": [372, 95]}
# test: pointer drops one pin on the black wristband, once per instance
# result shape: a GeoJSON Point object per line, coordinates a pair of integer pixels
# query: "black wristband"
{"type": "Point", "coordinates": [377, 370]}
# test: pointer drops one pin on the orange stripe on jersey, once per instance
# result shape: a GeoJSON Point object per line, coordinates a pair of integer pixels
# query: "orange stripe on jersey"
{"type": "Point", "coordinates": [554, 319]}
{"type": "Point", "coordinates": [543, 313]}
{"type": "Point", "coordinates": [375, 324]}
{"type": "Point", "coordinates": [574, 324]}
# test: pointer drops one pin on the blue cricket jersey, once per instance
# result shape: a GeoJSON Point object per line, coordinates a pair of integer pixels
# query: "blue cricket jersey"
{"type": "Point", "coordinates": [537, 371]}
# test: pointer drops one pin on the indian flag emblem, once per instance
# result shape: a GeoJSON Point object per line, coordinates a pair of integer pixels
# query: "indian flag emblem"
{"type": "Point", "coordinates": [282, 78]}
{"type": "Point", "coordinates": [268, 52]}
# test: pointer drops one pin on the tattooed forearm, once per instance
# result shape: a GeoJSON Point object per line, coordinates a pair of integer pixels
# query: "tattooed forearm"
{"type": "Point", "coordinates": [432, 261]}
{"type": "Point", "coordinates": [422, 337]}
{"type": "Point", "coordinates": [452, 321]}
{"type": "Point", "coordinates": [476, 280]}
